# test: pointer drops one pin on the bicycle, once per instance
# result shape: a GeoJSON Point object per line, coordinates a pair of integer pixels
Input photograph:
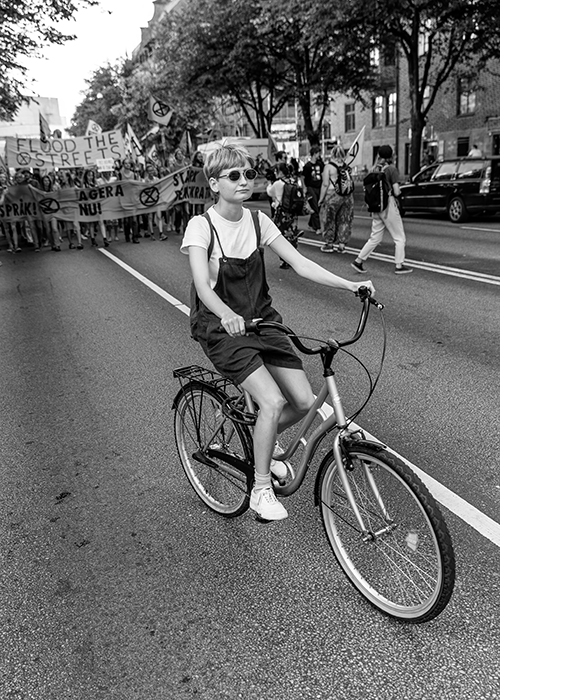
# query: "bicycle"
{"type": "Point", "coordinates": [384, 527]}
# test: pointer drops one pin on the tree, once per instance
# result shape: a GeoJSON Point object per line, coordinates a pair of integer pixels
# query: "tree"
{"type": "Point", "coordinates": [102, 97]}
{"type": "Point", "coordinates": [26, 26]}
{"type": "Point", "coordinates": [326, 49]}
{"type": "Point", "coordinates": [437, 38]}
{"type": "Point", "coordinates": [202, 67]}
{"type": "Point", "coordinates": [262, 53]}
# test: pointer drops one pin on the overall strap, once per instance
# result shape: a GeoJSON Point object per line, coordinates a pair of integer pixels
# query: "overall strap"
{"type": "Point", "coordinates": [212, 231]}
{"type": "Point", "coordinates": [256, 225]}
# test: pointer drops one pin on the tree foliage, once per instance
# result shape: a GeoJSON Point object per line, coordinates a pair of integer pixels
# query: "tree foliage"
{"type": "Point", "coordinates": [102, 100]}
{"type": "Point", "coordinates": [27, 26]}
{"type": "Point", "coordinates": [262, 53]}
{"type": "Point", "coordinates": [437, 38]}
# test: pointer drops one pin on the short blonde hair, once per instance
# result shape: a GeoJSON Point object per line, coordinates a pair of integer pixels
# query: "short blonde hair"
{"type": "Point", "coordinates": [226, 156]}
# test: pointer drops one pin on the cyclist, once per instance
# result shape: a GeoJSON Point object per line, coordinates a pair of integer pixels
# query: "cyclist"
{"type": "Point", "coordinates": [225, 249]}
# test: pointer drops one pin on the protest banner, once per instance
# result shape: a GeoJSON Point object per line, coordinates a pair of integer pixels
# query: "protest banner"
{"type": "Point", "coordinates": [72, 152]}
{"type": "Point", "coordinates": [111, 200]}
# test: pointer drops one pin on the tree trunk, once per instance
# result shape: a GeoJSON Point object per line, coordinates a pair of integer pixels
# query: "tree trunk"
{"type": "Point", "coordinates": [417, 117]}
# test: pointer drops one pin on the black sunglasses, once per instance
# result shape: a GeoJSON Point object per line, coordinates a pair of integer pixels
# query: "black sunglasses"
{"type": "Point", "coordinates": [234, 175]}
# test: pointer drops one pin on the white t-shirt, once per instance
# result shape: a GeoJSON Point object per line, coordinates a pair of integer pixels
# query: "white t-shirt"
{"type": "Point", "coordinates": [237, 237]}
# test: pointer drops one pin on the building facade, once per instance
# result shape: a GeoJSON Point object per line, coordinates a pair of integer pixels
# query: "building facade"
{"type": "Point", "coordinates": [466, 112]}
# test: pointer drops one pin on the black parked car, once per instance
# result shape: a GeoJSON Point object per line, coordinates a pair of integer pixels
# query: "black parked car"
{"type": "Point", "coordinates": [458, 187]}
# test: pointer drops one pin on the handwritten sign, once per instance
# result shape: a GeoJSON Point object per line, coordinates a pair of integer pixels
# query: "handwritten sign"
{"type": "Point", "coordinates": [77, 152]}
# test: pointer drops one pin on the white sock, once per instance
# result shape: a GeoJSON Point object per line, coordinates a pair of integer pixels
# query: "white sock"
{"type": "Point", "coordinates": [262, 481]}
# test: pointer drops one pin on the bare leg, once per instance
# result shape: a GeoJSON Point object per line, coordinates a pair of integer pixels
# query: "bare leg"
{"type": "Point", "coordinates": [283, 396]}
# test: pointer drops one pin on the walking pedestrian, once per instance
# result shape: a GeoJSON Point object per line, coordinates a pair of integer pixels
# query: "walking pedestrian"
{"type": "Point", "coordinates": [389, 219]}
{"type": "Point", "coordinates": [313, 179]}
{"type": "Point", "coordinates": [337, 202]}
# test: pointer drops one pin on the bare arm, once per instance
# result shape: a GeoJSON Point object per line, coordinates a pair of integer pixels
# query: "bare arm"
{"type": "Point", "coordinates": [325, 183]}
{"type": "Point", "coordinates": [312, 270]}
{"type": "Point", "coordinates": [232, 322]}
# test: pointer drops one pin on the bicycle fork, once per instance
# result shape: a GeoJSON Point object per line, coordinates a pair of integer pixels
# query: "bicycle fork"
{"type": "Point", "coordinates": [342, 466]}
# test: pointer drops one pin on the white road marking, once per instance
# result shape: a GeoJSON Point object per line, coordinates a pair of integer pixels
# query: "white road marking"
{"type": "Point", "coordinates": [450, 500]}
{"type": "Point", "coordinates": [430, 267]}
{"type": "Point", "coordinates": [477, 228]}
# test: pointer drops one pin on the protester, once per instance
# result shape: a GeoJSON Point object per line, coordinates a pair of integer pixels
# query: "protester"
{"type": "Point", "coordinates": [337, 209]}
{"type": "Point", "coordinates": [155, 219]}
{"type": "Point", "coordinates": [284, 218]}
{"type": "Point", "coordinates": [312, 180]}
{"type": "Point", "coordinates": [389, 219]}
{"type": "Point", "coordinates": [225, 249]}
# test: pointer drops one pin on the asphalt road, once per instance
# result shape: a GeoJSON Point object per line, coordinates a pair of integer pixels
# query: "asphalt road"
{"type": "Point", "coordinates": [118, 584]}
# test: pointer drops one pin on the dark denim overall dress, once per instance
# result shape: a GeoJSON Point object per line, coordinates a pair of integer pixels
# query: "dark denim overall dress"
{"type": "Point", "coordinates": [242, 285]}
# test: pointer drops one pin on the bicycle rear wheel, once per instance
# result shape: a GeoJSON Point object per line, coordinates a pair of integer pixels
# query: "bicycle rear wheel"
{"type": "Point", "coordinates": [404, 564]}
{"type": "Point", "coordinates": [212, 448]}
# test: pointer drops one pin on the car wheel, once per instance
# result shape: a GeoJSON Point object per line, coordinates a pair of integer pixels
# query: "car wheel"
{"type": "Point", "coordinates": [456, 210]}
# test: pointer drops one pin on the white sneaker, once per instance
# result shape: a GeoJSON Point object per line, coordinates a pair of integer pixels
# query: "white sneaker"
{"type": "Point", "coordinates": [266, 505]}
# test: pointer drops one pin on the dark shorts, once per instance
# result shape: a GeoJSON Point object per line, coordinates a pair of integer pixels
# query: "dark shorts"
{"type": "Point", "coordinates": [237, 358]}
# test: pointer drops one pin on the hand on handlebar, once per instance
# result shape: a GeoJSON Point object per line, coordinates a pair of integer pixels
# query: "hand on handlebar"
{"type": "Point", "coordinates": [359, 287]}
{"type": "Point", "coordinates": [233, 324]}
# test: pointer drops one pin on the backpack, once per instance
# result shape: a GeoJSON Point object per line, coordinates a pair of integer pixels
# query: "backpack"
{"type": "Point", "coordinates": [293, 200]}
{"type": "Point", "coordinates": [344, 184]}
{"type": "Point", "coordinates": [376, 191]}
{"type": "Point", "coordinates": [194, 298]}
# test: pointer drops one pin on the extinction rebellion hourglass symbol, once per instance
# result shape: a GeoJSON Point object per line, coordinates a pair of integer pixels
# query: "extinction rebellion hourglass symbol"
{"type": "Point", "coordinates": [149, 197]}
{"type": "Point", "coordinates": [160, 110]}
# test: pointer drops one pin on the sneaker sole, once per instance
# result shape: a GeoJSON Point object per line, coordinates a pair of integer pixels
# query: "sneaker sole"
{"type": "Point", "coordinates": [403, 272]}
{"type": "Point", "coordinates": [361, 272]}
{"type": "Point", "coordinates": [261, 519]}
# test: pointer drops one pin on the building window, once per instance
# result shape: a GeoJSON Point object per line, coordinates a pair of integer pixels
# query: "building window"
{"type": "Point", "coordinates": [391, 113]}
{"type": "Point", "coordinates": [462, 146]}
{"type": "Point", "coordinates": [389, 55]}
{"type": "Point", "coordinates": [375, 56]}
{"type": "Point", "coordinates": [424, 37]}
{"type": "Point", "coordinates": [466, 96]}
{"type": "Point", "coordinates": [350, 116]}
{"type": "Point", "coordinates": [378, 112]}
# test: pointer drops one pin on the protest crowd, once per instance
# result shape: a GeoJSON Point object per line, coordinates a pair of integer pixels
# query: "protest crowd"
{"type": "Point", "coordinates": [38, 231]}
{"type": "Point", "coordinates": [101, 188]}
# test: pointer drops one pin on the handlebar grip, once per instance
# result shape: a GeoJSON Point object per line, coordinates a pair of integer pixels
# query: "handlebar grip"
{"type": "Point", "coordinates": [363, 293]}
{"type": "Point", "coordinates": [250, 326]}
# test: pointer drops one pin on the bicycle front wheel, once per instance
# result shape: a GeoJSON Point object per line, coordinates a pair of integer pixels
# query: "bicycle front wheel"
{"type": "Point", "coordinates": [403, 563]}
{"type": "Point", "coordinates": [212, 448]}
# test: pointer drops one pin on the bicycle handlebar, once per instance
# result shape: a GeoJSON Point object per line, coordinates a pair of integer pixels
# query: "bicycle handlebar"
{"type": "Point", "coordinates": [363, 293]}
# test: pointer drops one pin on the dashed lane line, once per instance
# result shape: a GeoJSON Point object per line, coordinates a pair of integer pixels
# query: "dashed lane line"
{"type": "Point", "coordinates": [450, 500]}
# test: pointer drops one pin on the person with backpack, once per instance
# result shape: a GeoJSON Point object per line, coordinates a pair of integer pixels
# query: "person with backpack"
{"type": "Point", "coordinates": [225, 247]}
{"type": "Point", "coordinates": [288, 201]}
{"type": "Point", "coordinates": [336, 202]}
{"type": "Point", "coordinates": [381, 187]}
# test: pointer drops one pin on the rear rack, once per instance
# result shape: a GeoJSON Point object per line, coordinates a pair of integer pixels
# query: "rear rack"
{"type": "Point", "coordinates": [202, 374]}
{"type": "Point", "coordinates": [234, 406]}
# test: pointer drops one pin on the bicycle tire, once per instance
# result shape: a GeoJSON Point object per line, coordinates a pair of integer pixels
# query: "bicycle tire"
{"type": "Point", "coordinates": [407, 569]}
{"type": "Point", "coordinates": [200, 427]}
